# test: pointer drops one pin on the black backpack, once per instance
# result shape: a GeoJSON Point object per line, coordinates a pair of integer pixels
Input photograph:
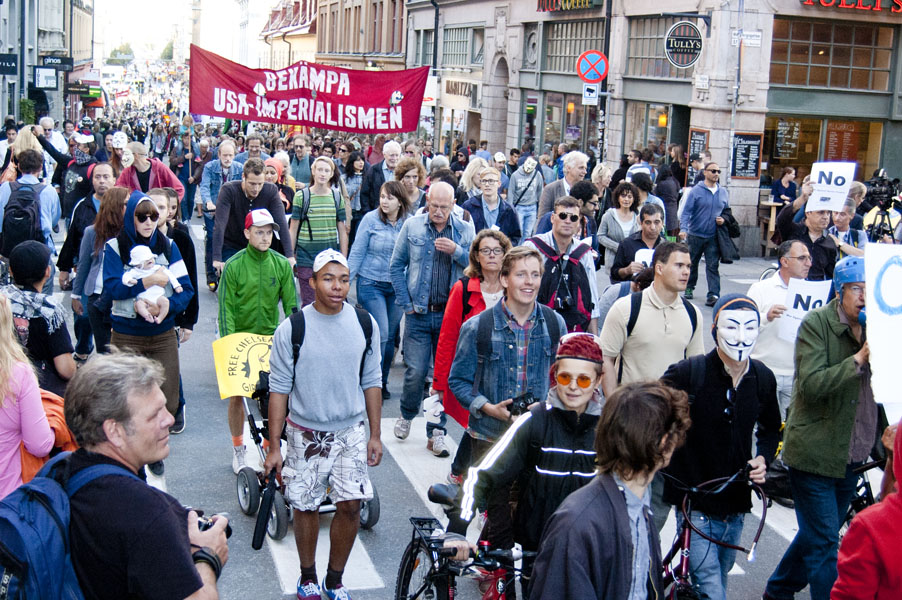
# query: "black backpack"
{"type": "Point", "coordinates": [298, 327]}
{"type": "Point", "coordinates": [565, 285]}
{"type": "Point", "coordinates": [305, 210]}
{"type": "Point", "coordinates": [22, 216]}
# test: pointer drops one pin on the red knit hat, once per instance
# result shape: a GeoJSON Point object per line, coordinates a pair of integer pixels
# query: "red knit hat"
{"type": "Point", "coordinates": [581, 346]}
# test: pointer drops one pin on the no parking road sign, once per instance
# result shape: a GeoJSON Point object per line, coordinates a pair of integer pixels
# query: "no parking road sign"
{"type": "Point", "coordinates": [592, 66]}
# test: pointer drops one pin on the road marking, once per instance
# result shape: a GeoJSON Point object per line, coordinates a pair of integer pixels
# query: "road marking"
{"type": "Point", "coordinates": [745, 281]}
{"type": "Point", "coordinates": [360, 572]}
{"type": "Point", "coordinates": [198, 232]}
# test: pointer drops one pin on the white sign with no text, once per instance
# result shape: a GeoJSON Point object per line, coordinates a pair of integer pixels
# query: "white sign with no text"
{"type": "Point", "coordinates": [831, 182]}
{"type": "Point", "coordinates": [644, 256]}
{"type": "Point", "coordinates": [883, 277]}
{"type": "Point", "coordinates": [590, 93]}
{"type": "Point", "coordinates": [801, 297]}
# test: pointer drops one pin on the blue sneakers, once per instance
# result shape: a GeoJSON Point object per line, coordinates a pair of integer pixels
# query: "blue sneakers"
{"type": "Point", "coordinates": [308, 591]}
{"type": "Point", "coordinates": [339, 593]}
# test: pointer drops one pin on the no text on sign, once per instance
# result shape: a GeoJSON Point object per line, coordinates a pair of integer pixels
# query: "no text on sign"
{"type": "Point", "coordinates": [592, 66]}
{"type": "Point", "coordinates": [590, 93]}
{"type": "Point", "coordinates": [683, 44]}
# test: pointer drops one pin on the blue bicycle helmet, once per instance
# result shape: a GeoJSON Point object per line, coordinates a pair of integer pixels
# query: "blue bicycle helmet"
{"type": "Point", "coordinates": [848, 270]}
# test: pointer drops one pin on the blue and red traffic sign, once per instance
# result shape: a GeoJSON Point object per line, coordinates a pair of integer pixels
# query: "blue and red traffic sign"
{"type": "Point", "coordinates": [592, 66]}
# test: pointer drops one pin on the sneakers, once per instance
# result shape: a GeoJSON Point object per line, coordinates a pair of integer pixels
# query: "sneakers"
{"type": "Point", "coordinates": [308, 591]}
{"type": "Point", "coordinates": [212, 285]}
{"type": "Point", "coordinates": [156, 468]}
{"type": "Point", "coordinates": [238, 460]}
{"type": "Point", "coordinates": [711, 300]}
{"type": "Point", "coordinates": [436, 444]}
{"type": "Point", "coordinates": [402, 428]}
{"type": "Point", "coordinates": [339, 593]}
{"type": "Point", "coordinates": [179, 425]}
{"type": "Point", "coordinates": [80, 359]}
{"type": "Point", "coordinates": [453, 479]}
{"type": "Point", "coordinates": [688, 293]}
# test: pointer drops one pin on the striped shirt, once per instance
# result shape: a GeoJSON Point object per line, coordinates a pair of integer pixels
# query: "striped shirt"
{"type": "Point", "coordinates": [319, 231]}
{"type": "Point", "coordinates": [440, 288]}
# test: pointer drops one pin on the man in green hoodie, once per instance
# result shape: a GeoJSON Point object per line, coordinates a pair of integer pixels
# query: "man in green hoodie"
{"type": "Point", "coordinates": [253, 281]}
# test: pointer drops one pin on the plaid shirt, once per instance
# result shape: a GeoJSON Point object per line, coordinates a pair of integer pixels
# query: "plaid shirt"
{"type": "Point", "coordinates": [521, 335]}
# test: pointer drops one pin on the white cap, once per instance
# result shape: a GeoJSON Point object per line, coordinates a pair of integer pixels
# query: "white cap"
{"type": "Point", "coordinates": [259, 217]}
{"type": "Point", "coordinates": [120, 140]}
{"type": "Point", "coordinates": [499, 157]}
{"type": "Point", "coordinates": [139, 255]}
{"type": "Point", "coordinates": [83, 138]}
{"type": "Point", "coordinates": [326, 256]}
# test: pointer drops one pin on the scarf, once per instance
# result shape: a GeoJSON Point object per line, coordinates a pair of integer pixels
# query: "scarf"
{"type": "Point", "coordinates": [81, 157]}
{"type": "Point", "coordinates": [28, 305]}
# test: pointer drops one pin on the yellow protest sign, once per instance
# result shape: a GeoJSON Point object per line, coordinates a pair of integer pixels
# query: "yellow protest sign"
{"type": "Point", "coordinates": [238, 359]}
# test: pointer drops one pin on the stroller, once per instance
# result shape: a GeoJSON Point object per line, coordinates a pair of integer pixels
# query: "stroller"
{"type": "Point", "coordinates": [250, 482]}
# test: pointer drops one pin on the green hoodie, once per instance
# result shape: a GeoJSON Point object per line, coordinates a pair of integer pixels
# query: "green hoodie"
{"type": "Point", "coordinates": [824, 395]}
{"type": "Point", "coordinates": [249, 291]}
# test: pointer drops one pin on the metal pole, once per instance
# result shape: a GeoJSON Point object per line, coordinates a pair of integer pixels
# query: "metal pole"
{"type": "Point", "coordinates": [735, 95]}
{"type": "Point", "coordinates": [23, 86]}
{"type": "Point", "coordinates": [436, 125]}
{"type": "Point", "coordinates": [603, 88]}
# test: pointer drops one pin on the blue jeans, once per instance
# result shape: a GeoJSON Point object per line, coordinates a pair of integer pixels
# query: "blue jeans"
{"type": "Point", "coordinates": [420, 340]}
{"type": "Point", "coordinates": [84, 340]}
{"type": "Point", "coordinates": [527, 216]}
{"type": "Point", "coordinates": [708, 562]}
{"type": "Point", "coordinates": [708, 247]}
{"type": "Point", "coordinates": [378, 297]}
{"type": "Point", "coordinates": [821, 505]}
{"type": "Point", "coordinates": [208, 248]}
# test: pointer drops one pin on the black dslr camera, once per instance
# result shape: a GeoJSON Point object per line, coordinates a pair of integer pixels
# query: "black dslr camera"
{"type": "Point", "coordinates": [521, 404]}
{"type": "Point", "coordinates": [204, 523]}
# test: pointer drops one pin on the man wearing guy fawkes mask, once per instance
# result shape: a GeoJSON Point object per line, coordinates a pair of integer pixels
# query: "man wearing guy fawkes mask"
{"type": "Point", "coordinates": [728, 393]}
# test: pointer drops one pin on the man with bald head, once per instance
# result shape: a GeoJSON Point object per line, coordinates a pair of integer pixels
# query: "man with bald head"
{"type": "Point", "coordinates": [430, 254]}
{"type": "Point", "coordinates": [381, 172]}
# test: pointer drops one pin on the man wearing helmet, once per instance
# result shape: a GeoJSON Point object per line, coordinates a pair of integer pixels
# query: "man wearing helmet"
{"type": "Point", "coordinates": [830, 430]}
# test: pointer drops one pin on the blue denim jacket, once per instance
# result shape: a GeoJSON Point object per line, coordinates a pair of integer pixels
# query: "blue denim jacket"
{"type": "Point", "coordinates": [499, 376]}
{"type": "Point", "coordinates": [211, 180]}
{"type": "Point", "coordinates": [371, 253]}
{"type": "Point", "coordinates": [411, 261]}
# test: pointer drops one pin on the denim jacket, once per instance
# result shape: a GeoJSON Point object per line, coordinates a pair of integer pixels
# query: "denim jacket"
{"type": "Point", "coordinates": [371, 253]}
{"type": "Point", "coordinates": [499, 376]}
{"type": "Point", "coordinates": [411, 261]}
{"type": "Point", "coordinates": [212, 179]}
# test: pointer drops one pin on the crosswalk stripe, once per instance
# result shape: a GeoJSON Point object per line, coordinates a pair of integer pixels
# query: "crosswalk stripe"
{"type": "Point", "coordinates": [360, 572]}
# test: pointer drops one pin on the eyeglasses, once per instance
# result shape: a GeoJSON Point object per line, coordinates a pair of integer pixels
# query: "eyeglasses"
{"type": "Point", "coordinates": [343, 150]}
{"type": "Point", "coordinates": [856, 289]}
{"type": "Point", "coordinates": [485, 181]}
{"type": "Point", "coordinates": [564, 216]}
{"type": "Point", "coordinates": [715, 171]}
{"type": "Point", "coordinates": [143, 218]}
{"type": "Point", "coordinates": [488, 251]}
{"type": "Point", "coordinates": [583, 381]}
{"type": "Point", "coordinates": [592, 202]}
{"type": "Point", "coordinates": [299, 147]}
{"type": "Point", "coordinates": [804, 258]}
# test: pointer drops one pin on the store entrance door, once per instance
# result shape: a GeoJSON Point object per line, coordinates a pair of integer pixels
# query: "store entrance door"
{"type": "Point", "coordinates": [679, 126]}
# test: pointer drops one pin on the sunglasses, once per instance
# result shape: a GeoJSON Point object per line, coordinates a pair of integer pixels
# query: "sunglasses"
{"type": "Point", "coordinates": [583, 381]}
{"type": "Point", "coordinates": [715, 171]}
{"type": "Point", "coordinates": [564, 216]}
{"type": "Point", "coordinates": [143, 218]}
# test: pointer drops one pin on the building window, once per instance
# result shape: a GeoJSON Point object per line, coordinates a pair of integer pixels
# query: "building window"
{"type": "Point", "coordinates": [646, 49]}
{"type": "Point", "coordinates": [833, 55]}
{"type": "Point", "coordinates": [455, 46]}
{"type": "Point", "coordinates": [378, 15]}
{"type": "Point", "coordinates": [477, 49]}
{"type": "Point", "coordinates": [566, 40]}
{"type": "Point", "coordinates": [424, 46]}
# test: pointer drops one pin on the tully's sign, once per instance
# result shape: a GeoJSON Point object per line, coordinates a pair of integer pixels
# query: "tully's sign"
{"type": "Point", "coordinates": [893, 6]}
{"type": "Point", "coordinates": [559, 5]}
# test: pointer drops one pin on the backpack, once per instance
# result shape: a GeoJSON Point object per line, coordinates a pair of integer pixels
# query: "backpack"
{"type": "Point", "coordinates": [35, 559]}
{"type": "Point", "coordinates": [565, 285]}
{"type": "Point", "coordinates": [484, 327]}
{"type": "Point", "coordinates": [22, 216]}
{"type": "Point", "coordinates": [298, 327]}
{"type": "Point", "coordinates": [464, 298]}
{"type": "Point", "coordinates": [305, 208]}
{"type": "Point", "coordinates": [636, 306]}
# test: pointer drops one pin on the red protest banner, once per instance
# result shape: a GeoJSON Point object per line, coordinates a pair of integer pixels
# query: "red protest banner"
{"type": "Point", "coordinates": [307, 94]}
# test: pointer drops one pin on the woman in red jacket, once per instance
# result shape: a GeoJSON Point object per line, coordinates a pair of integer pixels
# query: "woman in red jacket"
{"type": "Point", "coordinates": [479, 289]}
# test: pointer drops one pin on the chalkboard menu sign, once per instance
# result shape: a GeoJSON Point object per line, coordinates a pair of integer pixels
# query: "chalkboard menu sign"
{"type": "Point", "coordinates": [698, 143]}
{"type": "Point", "coordinates": [787, 142]}
{"type": "Point", "coordinates": [746, 162]}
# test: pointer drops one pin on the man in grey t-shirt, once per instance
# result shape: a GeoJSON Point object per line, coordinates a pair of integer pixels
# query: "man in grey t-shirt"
{"type": "Point", "coordinates": [324, 407]}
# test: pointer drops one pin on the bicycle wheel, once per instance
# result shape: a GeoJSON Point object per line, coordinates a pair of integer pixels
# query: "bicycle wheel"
{"type": "Point", "coordinates": [768, 272]}
{"type": "Point", "coordinates": [414, 581]}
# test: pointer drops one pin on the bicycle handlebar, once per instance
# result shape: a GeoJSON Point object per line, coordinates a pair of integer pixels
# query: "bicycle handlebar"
{"type": "Point", "coordinates": [876, 464]}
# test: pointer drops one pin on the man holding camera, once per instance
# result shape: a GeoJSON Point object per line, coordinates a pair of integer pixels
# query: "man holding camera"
{"type": "Point", "coordinates": [129, 540]}
{"type": "Point", "coordinates": [497, 388]}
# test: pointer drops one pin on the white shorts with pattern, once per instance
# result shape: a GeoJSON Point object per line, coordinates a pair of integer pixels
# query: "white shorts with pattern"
{"type": "Point", "coordinates": [321, 463]}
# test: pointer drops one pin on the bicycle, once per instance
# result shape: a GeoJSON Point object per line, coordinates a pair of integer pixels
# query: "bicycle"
{"type": "Point", "coordinates": [864, 496]}
{"type": "Point", "coordinates": [427, 572]}
{"type": "Point", "coordinates": [677, 578]}
{"type": "Point", "coordinates": [769, 271]}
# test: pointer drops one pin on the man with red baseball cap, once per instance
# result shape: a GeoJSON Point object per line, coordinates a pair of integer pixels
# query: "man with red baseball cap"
{"type": "Point", "coordinates": [253, 282]}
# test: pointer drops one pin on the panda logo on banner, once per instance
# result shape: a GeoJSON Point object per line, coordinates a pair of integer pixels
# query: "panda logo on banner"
{"type": "Point", "coordinates": [683, 44]}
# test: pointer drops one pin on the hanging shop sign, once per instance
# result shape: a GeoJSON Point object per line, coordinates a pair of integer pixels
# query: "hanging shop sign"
{"type": "Point", "coordinates": [683, 44]}
{"type": "Point", "coordinates": [564, 5]}
{"type": "Point", "coordinates": [891, 6]}
{"type": "Point", "coordinates": [307, 93]}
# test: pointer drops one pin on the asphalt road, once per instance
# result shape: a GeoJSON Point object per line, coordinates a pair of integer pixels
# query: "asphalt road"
{"type": "Point", "coordinates": [198, 473]}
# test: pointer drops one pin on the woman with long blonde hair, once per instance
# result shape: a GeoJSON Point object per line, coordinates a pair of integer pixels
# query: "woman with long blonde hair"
{"type": "Point", "coordinates": [25, 140]}
{"type": "Point", "coordinates": [470, 182]}
{"type": "Point", "coordinates": [22, 417]}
